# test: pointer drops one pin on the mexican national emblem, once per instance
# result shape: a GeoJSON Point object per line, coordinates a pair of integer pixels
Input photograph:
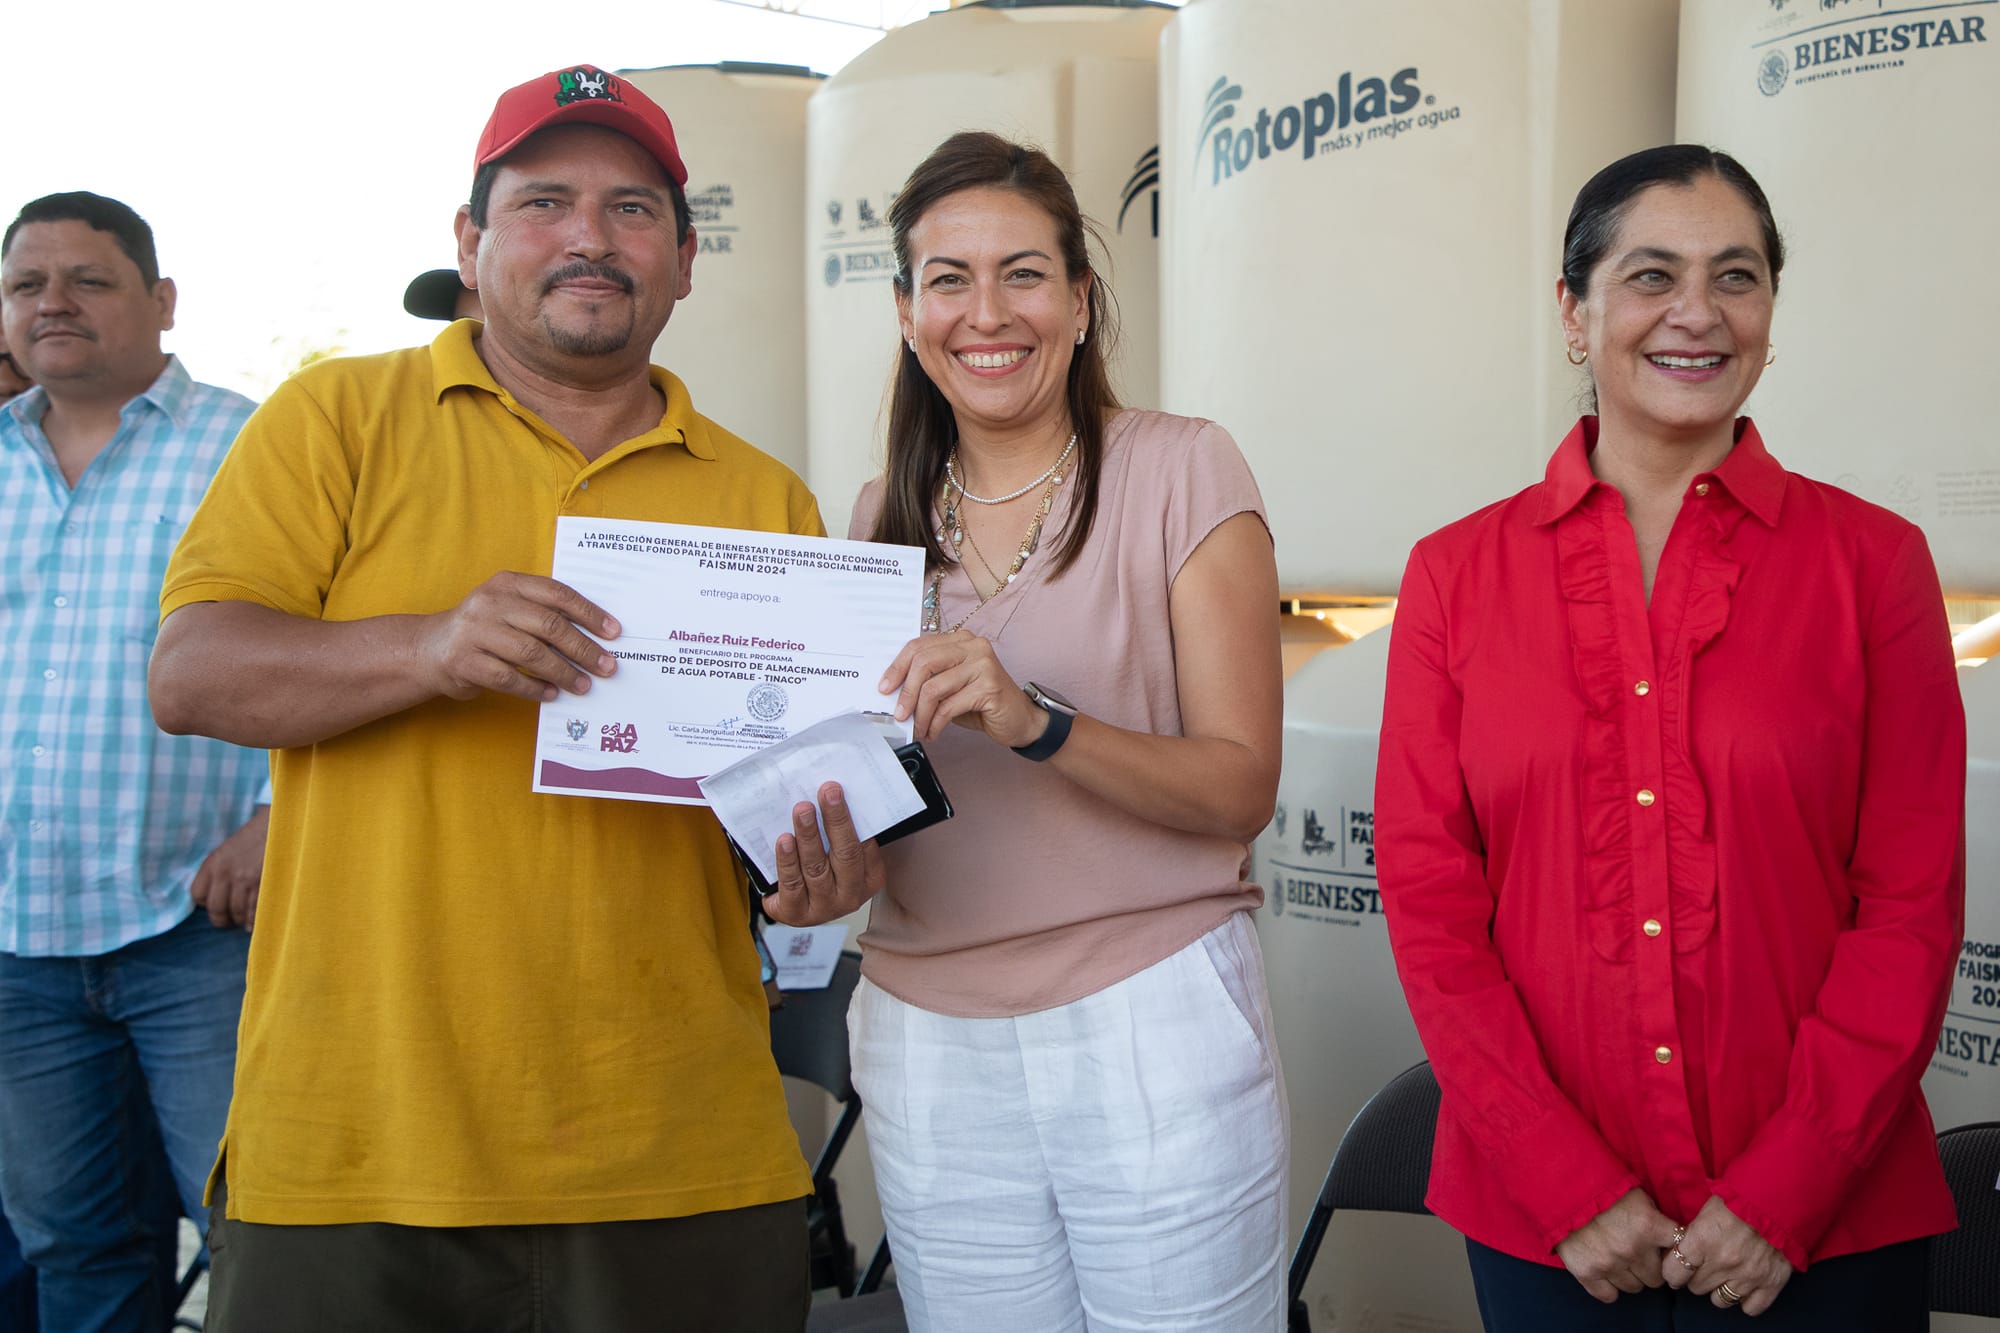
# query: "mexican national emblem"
{"type": "Point", "coordinates": [1771, 72]}
{"type": "Point", "coordinates": [767, 702]}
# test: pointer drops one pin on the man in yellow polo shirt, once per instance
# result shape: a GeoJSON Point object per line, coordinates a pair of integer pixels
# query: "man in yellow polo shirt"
{"type": "Point", "coordinates": [531, 1025]}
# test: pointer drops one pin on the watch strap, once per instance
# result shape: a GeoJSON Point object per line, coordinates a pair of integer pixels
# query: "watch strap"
{"type": "Point", "coordinates": [1052, 736]}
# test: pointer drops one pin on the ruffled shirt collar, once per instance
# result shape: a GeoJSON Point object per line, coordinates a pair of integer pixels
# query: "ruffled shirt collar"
{"type": "Point", "coordinates": [1749, 474]}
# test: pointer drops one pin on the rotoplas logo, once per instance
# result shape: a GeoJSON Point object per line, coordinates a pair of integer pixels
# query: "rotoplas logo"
{"type": "Point", "coordinates": [1304, 125]}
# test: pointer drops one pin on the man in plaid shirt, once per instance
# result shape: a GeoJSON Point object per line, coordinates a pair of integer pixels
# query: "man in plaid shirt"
{"type": "Point", "coordinates": [118, 998]}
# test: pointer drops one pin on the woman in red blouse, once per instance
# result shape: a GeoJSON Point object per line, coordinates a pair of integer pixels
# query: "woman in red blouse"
{"type": "Point", "coordinates": [1670, 813]}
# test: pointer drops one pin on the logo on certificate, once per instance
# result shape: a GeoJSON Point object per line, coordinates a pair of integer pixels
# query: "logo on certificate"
{"type": "Point", "coordinates": [576, 727]}
{"type": "Point", "coordinates": [618, 738]}
{"type": "Point", "coordinates": [767, 702]}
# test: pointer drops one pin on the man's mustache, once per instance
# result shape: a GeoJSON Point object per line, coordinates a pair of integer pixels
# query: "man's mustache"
{"type": "Point", "coordinates": [584, 268]}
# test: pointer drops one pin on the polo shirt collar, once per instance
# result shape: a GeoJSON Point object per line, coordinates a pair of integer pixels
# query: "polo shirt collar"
{"type": "Point", "coordinates": [456, 364]}
{"type": "Point", "coordinates": [1749, 473]}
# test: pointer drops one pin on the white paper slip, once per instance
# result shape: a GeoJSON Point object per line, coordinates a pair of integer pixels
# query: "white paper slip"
{"type": "Point", "coordinates": [754, 796]}
{"type": "Point", "coordinates": [806, 955]}
{"type": "Point", "coordinates": [731, 640]}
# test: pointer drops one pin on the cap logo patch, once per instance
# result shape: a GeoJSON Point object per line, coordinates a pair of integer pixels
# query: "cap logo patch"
{"type": "Point", "coordinates": [585, 84]}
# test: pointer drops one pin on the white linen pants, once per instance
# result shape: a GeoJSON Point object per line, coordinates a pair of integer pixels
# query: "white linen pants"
{"type": "Point", "coordinates": [1117, 1163]}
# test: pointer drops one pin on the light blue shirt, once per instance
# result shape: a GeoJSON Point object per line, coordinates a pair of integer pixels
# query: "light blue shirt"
{"type": "Point", "coordinates": [104, 818]}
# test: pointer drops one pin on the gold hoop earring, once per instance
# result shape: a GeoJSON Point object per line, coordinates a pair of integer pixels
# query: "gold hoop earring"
{"type": "Point", "coordinates": [1771, 359]}
{"type": "Point", "coordinates": [1574, 358]}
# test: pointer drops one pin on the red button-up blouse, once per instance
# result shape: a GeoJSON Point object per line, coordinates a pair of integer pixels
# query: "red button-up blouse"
{"type": "Point", "coordinates": [1675, 889]}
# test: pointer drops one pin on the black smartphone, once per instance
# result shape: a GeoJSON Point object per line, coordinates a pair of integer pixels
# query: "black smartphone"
{"type": "Point", "coordinates": [937, 808]}
{"type": "Point", "coordinates": [937, 805]}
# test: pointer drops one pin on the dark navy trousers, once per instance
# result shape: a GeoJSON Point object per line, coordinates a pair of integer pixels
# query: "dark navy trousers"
{"type": "Point", "coordinates": [1876, 1291]}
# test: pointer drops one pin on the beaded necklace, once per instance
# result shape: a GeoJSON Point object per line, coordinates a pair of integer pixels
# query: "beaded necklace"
{"type": "Point", "coordinates": [953, 531]}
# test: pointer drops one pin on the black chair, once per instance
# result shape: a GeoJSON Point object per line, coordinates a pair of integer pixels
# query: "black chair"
{"type": "Point", "coordinates": [1383, 1165]}
{"type": "Point", "coordinates": [809, 1040]}
{"type": "Point", "coordinates": [1965, 1264]}
{"type": "Point", "coordinates": [873, 1309]}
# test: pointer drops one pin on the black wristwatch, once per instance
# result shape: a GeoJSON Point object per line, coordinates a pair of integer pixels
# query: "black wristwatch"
{"type": "Point", "coordinates": [1061, 713]}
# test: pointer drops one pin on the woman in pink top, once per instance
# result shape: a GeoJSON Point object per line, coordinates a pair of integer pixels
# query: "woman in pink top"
{"type": "Point", "coordinates": [1062, 1039]}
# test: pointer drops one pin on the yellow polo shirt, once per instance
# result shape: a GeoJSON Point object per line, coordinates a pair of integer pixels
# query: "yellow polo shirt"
{"type": "Point", "coordinates": [469, 1004]}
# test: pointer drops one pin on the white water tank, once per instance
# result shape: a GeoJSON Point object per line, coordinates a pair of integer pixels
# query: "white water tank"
{"type": "Point", "coordinates": [1343, 1028]}
{"type": "Point", "coordinates": [739, 338]}
{"type": "Point", "coordinates": [1362, 215]}
{"type": "Point", "coordinates": [1076, 80]}
{"type": "Point", "coordinates": [1872, 132]}
{"type": "Point", "coordinates": [1963, 1084]}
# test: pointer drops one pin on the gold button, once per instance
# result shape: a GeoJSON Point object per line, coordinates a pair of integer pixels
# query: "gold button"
{"type": "Point", "coordinates": [1646, 796]}
{"type": "Point", "coordinates": [1644, 687]}
{"type": "Point", "coordinates": [1701, 488]}
{"type": "Point", "coordinates": [1664, 1054]}
{"type": "Point", "coordinates": [1652, 928]}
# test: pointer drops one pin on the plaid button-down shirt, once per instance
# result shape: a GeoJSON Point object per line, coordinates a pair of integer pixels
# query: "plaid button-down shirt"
{"type": "Point", "coordinates": [104, 818]}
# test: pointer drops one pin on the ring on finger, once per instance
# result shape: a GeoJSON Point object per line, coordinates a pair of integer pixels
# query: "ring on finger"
{"type": "Point", "coordinates": [1729, 1294]}
{"type": "Point", "coordinates": [1685, 1262]}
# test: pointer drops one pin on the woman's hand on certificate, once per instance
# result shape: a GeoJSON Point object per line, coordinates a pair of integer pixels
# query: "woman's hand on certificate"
{"type": "Point", "coordinates": [517, 634]}
{"type": "Point", "coordinates": [819, 882]}
{"type": "Point", "coordinates": [939, 679]}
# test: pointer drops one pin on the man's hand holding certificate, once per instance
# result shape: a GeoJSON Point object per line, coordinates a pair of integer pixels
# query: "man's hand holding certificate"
{"type": "Point", "coordinates": [732, 641]}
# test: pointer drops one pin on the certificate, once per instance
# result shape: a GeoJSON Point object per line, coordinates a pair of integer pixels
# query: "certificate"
{"type": "Point", "coordinates": [731, 640]}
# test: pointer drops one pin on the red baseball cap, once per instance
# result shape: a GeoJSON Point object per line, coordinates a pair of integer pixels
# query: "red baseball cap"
{"type": "Point", "coordinates": [580, 95]}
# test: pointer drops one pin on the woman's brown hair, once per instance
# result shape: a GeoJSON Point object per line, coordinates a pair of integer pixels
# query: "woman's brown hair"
{"type": "Point", "coordinates": [922, 430]}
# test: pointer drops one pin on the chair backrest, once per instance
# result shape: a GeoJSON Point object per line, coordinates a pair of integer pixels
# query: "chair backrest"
{"type": "Point", "coordinates": [1383, 1164]}
{"type": "Point", "coordinates": [809, 1031]}
{"type": "Point", "coordinates": [1965, 1264]}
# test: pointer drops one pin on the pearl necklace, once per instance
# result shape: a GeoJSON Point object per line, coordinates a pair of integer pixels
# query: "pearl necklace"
{"type": "Point", "coordinates": [953, 530]}
{"type": "Point", "coordinates": [951, 475]}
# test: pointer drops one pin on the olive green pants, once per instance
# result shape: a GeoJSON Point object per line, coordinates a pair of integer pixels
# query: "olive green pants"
{"type": "Point", "coordinates": [739, 1271]}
